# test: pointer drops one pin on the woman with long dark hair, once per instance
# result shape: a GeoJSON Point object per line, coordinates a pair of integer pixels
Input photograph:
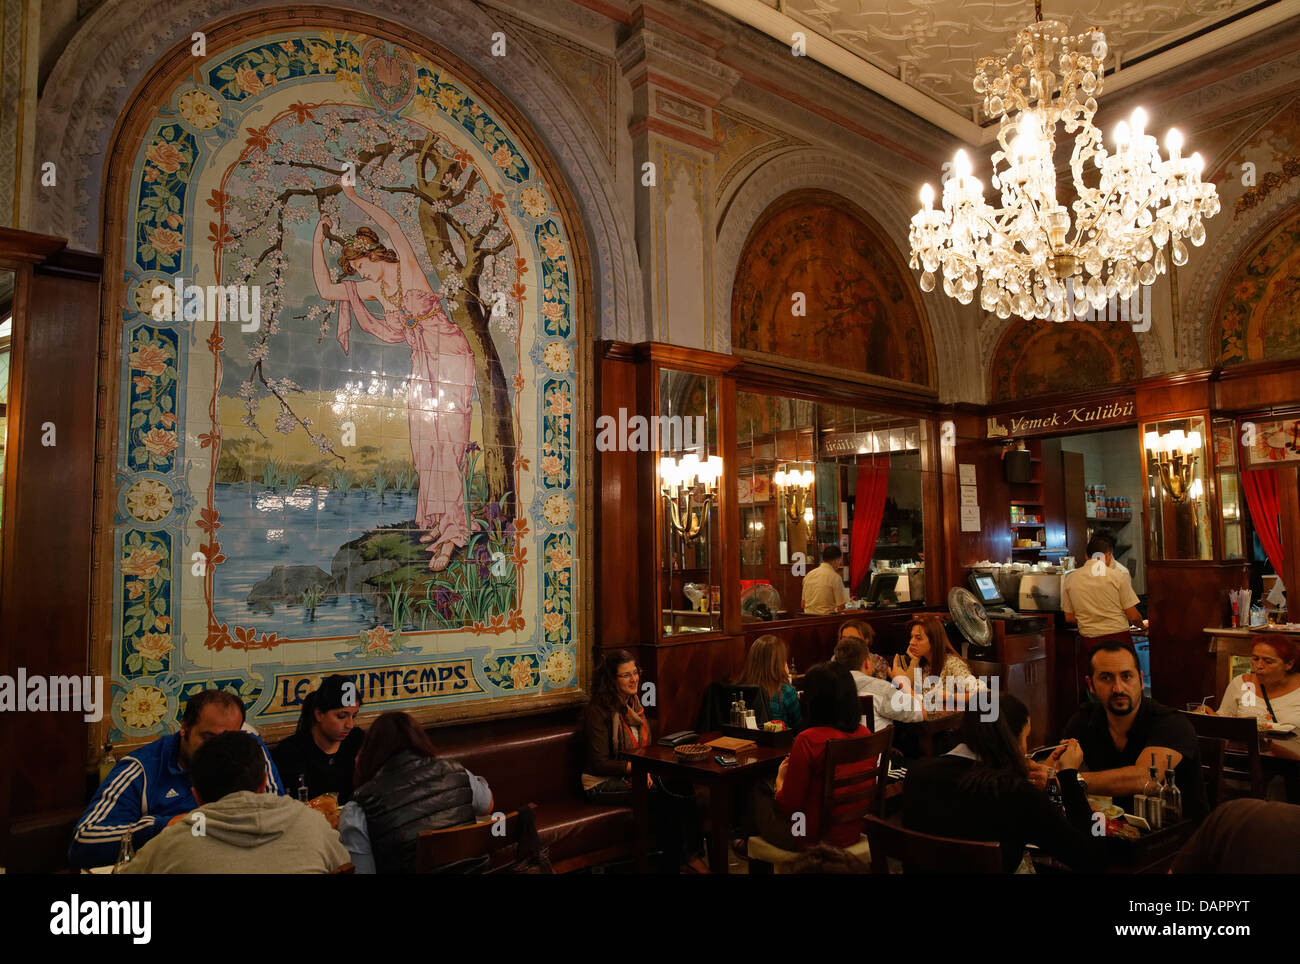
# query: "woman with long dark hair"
{"type": "Point", "coordinates": [403, 788]}
{"type": "Point", "coordinates": [616, 721]}
{"type": "Point", "coordinates": [321, 753]}
{"type": "Point", "coordinates": [833, 714]}
{"type": "Point", "coordinates": [766, 666]}
{"type": "Point", "coordinates": [980, 790]}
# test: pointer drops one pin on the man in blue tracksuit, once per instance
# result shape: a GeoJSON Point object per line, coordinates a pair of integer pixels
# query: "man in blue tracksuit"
{"type": "Point", "coordinates": [149, 787]}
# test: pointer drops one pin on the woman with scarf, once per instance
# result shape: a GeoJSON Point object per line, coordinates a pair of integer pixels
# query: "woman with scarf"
{"type": "Point", "coordinates": [615, 722]}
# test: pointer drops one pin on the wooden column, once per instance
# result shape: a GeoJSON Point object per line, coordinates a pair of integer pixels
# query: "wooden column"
{"type": "Point", "coordinates": [45, 578]}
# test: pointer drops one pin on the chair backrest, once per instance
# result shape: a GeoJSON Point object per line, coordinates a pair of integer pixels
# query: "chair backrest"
{"type": "Point", "coordinates": [1212, 767]}
{"type": "Point", "coordinates": [924, 853]}
{"type": "Point", "coordinates": [868, 705]}
{"type": "Point", "coordinates": [986, 668]}
{"type": "Point", "coordinates": [854, 779]}
{"type": "Point", "coordinates": [1234, 730]}
{"type": "Point", "coordinates": [470, 841]}
{"type": "Point", "coordinates": [928, 730]}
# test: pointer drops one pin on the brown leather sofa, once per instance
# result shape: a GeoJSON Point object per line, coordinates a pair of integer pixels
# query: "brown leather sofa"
{"type": "Point", "coordinates": [539, 761]}
{"type": "Point", "coordinates": [534, 760]}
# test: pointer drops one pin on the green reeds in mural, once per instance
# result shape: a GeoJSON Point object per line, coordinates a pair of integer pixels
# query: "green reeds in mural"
{"type": "Point", "coordinates": [271, 477]}
{"type": "Point", "coordinates": [406, 479]}
{"type": "Point", "coordinates": [399, 605]}
{"type": "Point", "coordinates": [340, 480]}
{"type": "Point", "coordinates": [291, 479]}
{"type": "Point", "coordinates": [378, 482]}
{"type": "Point", "coordinates": [311, 597]}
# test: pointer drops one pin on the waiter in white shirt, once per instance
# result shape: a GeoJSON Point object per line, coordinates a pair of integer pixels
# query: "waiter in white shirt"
{"type": "Point", "coordinates": [823, 588]}
{"type": "Point", "coordinates": [1099, 597]}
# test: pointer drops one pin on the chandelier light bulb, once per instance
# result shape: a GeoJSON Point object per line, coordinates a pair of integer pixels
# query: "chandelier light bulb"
{"type": "Point", "coordinates": [1198, 162]}
{"type": "Point", "coordinates": [1120, 227]}
{"type": "Point", "coordinates": [927, 196]}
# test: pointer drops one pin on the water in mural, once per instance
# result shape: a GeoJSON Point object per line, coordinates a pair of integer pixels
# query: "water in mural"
{"type": "Point", "coordinates": [375, 475]}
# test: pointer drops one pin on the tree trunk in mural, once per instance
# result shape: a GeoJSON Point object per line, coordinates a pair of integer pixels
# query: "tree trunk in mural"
{"type": "Point", "coordinates": [471, 314]}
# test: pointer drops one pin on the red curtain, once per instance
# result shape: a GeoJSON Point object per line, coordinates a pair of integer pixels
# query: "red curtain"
{"type": "Point", "coordinates": [868, 511]}
{"type": "Point", "coordinates": [1260, 487]}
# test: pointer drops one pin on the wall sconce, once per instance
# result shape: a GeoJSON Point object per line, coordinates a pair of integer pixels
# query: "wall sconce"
{"type": "Point", "coordinates": [690, 487]}
{"type": "Point", "coordinates": [1175, 455]}
{"type": "Point", "coordinates": [794, 485]}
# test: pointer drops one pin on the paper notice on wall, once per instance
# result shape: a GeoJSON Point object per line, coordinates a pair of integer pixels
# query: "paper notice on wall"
{"type": "Point", "coordinates": [970, 518]}
{"type": "Point", "coordinates": [969, 495]}
{"type": "Point", "coordinates": [966, 473]}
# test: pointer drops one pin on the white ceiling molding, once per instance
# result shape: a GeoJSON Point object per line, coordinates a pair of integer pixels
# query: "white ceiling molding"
{"type": "Point", "coordinates": [924, 53]}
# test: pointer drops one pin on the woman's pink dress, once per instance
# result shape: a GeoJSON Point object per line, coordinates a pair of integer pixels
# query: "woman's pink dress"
{"type": "Point", "coordinates": [438, 399]}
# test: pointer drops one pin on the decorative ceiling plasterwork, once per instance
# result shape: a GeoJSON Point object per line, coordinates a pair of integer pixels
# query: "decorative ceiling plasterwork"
{"type": "Point", "coordinates": [922, 53]}
{"type": "Point", "coordinates": [811, 169]}
{"type": "Point", "coordinates": [109, 56]}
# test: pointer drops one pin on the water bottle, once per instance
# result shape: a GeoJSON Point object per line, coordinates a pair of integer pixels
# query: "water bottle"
{"type": "Point", "coordinates": [106, 761]}
{"type": "Point", "coordinates": [125, 853]}
{"type": "Point", "coordinates": [1171, 797]}
{"type": "Point", "coordinates": [1151, 790]}
{"type": "Point", "coordinates": [302, 788]}
{"type": "Point", "coordinates": [1054, 790]}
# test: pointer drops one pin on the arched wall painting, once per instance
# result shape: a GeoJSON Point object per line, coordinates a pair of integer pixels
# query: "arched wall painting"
{"type": "Point", "coordinates": [1258, 316]}
{"type": "Point", "coordinates": [860, 312]}
{"type": "Point", "coordinates": [377, 475]}
{"type": "Point", "coordinates": [1046, 357]}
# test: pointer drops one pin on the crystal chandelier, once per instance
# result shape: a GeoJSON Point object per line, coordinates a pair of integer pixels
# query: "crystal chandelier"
{"type": "Point", "coordinates": [1030, 257]}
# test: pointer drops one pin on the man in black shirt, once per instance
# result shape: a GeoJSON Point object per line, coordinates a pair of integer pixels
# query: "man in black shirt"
{"type": "Point", "coordinates": [1122, 731]}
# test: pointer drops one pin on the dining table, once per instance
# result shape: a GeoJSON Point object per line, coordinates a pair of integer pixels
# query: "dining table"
{"type": "Point", "coordinates": [724, 783]}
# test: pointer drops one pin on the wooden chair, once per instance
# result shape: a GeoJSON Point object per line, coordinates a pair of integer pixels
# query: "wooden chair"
{"type": "Point", "coordinates": [440, 848]}
{"type": "Point", "coordinates": [1244, 770]}
{"type": "Point", "coordinates": [924, 853]}
{"type": "Point", "coordinates": [988, 669]}
{"type": "Point", "coordinates": [928, 730]}
{"type": "Point", "coordinates": [1212, 767]}
{"type": "Point", "coordinates": [848, 795]}
{"type": "Point", "coordinates": [348, 868]}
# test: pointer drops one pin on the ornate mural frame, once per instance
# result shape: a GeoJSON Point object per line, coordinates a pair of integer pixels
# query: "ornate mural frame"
{"type": "Point", "coordinates": [1212, 330]}
{"type": "Point", "coordinates": [823, 196]}
{"type": "Point", "coordinates": [124, 143]}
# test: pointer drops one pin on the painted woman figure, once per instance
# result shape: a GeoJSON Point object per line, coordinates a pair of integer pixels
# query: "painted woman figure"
{"type": "Point", "coordinates": [440, 388]}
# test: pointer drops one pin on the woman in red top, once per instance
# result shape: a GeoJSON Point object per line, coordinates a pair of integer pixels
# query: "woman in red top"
{"type": "Point", "coordinates": [833, 714]}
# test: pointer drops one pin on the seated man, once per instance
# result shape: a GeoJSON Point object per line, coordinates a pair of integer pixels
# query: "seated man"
{"type": "Point", "coordinates": [1122, 733]}
{"type": "Point", "coordinates": [239, 828]}
{"type": "Point", "coordinates": [889, 702]}
{"type": "Point", "coordinates": [150, 786]}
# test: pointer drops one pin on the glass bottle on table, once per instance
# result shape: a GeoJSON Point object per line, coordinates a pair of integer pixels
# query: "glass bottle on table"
{"type": "Point", "coordinates": [1171, 798]}
{"type": "Point", "coordinates": [1151, 790]}
{"type": "Point", "coordinates": [125, 852]}
{"type": "Point", "coordinates": [1054, 789]}
{"type": "Point", "coordinates": [302, 788]}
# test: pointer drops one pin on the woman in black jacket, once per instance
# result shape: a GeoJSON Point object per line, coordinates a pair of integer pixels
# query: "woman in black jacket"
{"type": "Point", "coordinates": [980, 790]}
{"type": "Point", "coordinates": [616, 721]}
{"type": "Point", "coordinates": [322, 752]}
{"type": "Point", "coordinates": [404, 788]}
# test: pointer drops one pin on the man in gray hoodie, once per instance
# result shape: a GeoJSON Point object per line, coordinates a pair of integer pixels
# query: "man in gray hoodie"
{"type": "Point", "coordinates": [239, 829]}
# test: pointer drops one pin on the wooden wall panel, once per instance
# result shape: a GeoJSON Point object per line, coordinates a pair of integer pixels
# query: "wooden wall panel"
{"type": "Point", "coordinates": [1182, 600]}
{"type": "Point", "coordinates": [1247, 388]}
{"type": "Point", "coordinates": [619, 574]}
{"type": "Point", "coordinates": [45, 615]}
{"type": "Point", "coordinates": [1075, 501]}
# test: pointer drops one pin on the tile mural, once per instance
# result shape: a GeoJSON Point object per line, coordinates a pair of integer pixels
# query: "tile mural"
{"type": "Point", "coordinates": [348, 393]}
